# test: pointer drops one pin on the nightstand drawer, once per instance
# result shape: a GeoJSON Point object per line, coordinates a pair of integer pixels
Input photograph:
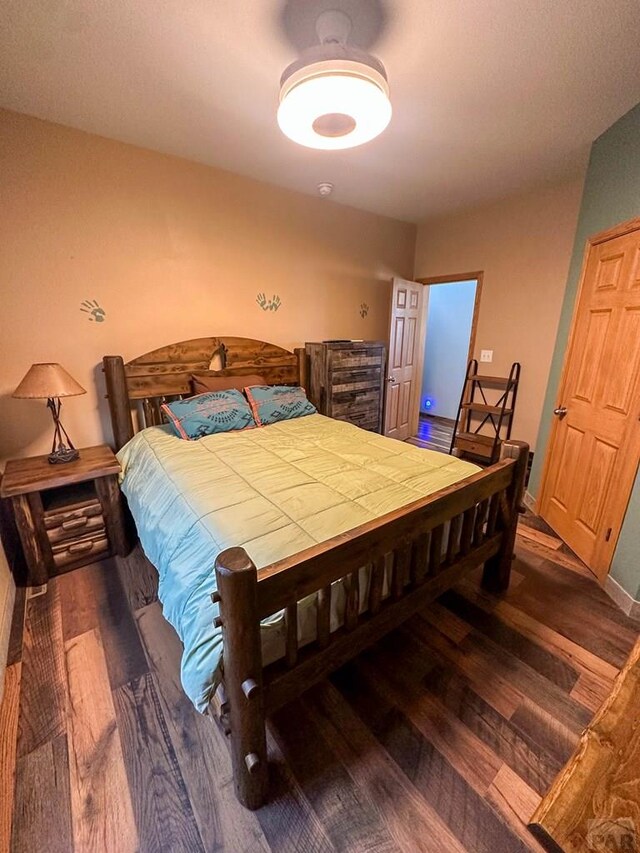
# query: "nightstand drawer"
{"type": "Point", "coordinates": [91, 544]}
{"type": "Point", "coordinates": [76, 527]}
{"type": "Point", "coordinates": [71, 515]}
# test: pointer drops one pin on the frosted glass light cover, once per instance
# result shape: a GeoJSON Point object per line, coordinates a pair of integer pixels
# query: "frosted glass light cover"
{"type": "Point", "coordinates": [332, 111]}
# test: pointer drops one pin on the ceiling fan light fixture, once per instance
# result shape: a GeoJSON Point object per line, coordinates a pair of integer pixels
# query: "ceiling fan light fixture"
{"type": "Point", "coordinates": [335, 96]}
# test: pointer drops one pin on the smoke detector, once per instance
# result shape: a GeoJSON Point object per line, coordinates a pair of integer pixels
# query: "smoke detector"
{"type": "Point", "coordinates": [325, 188]}
{"type": "Point", "coordinates": [335, 96]}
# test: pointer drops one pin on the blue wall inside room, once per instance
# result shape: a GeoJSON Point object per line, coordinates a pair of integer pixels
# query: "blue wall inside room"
{"type": "Point", "coordinates": [449, 318]}
{"type": "Point", "coordinates": [611, 195]}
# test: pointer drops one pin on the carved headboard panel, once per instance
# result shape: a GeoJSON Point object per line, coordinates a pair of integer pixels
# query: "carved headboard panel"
{"type": "Point", "coordinates": [142, 385]}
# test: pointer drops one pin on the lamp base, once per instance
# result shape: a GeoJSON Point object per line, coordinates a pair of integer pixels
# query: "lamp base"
{"type": "Point", "coordinates": [63, 454]}
{"type": "Point", "coordinates": [60, 453]}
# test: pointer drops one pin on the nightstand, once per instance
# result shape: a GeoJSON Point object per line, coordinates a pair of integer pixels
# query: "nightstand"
{"type": "Point", "coordinates": [67, 515]}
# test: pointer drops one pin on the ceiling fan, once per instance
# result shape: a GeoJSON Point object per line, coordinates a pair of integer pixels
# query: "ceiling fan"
{"type": "Point", "coordinates": [336, 94]}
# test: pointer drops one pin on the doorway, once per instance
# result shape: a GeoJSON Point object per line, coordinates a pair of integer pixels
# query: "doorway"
{"type": "Point", "coordinates": [451, 306]}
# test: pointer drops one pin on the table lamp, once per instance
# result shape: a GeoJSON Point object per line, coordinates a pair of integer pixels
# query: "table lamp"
{"type": "Point", "coordinates": [50, 382]}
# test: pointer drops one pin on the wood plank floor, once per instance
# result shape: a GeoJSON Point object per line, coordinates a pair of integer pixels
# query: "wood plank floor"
{"type": "Point", "coordinates": [433, 433]}
{"type": "Point", "coordinates": [443, 737]}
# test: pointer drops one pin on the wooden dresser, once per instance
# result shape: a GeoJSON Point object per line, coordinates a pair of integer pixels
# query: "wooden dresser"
{"type": "Point", "coordinates": [346, 381]}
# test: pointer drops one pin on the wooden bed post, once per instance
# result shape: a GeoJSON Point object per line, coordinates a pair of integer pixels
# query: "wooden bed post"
{"type": "Point", "coordinates": [237, 596]}
{"type": "Point", "coordinates": [497, 570]}
{"type": "Point", "coordinates": [118, 396]}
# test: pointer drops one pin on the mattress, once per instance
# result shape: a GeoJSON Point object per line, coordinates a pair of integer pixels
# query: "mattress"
{"type": "Point", "coordinates": [273, 490]}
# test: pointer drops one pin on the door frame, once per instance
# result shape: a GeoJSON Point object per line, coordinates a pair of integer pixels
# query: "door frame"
{"type": "Point", "coordinates": [428, 281]}
{"type": "Point", "coordinates": [619, 230]}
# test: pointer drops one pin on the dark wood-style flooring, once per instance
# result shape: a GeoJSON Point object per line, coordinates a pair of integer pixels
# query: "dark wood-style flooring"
{"type": "Point", "coordinates": [434, 433]}
{"type": "Point", "coordinates": [443, 737]}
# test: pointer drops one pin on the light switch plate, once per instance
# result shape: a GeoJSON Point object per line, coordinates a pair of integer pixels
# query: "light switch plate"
{"type": "Point", "coordinates": [486, 355]}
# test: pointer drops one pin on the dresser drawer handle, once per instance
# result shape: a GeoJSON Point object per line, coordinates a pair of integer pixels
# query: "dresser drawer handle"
{"type": "Point", "coordinates": [74, 523]}
{"type": "Point", "coordinates": [80, 546]}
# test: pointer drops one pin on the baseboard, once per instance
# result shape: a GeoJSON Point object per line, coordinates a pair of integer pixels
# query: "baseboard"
{"type": "Point", "coordinates": [622, 598]}
{"type": "Point", "coordinates": [530, 502]}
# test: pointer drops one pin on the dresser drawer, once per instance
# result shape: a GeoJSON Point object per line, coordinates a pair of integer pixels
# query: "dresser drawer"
{"type": "Point", "coordinates": [82, 548]}
{"type": "Point", "coordinates": [357, 379]}
{"type": "Point", "coordinates": [356, 402]}
{"type": "Point", "coordinates": [59, 516]}
{"type": "Point", "coordinates": [365, 420]}
{"type": "Point", "coordinates": [350, 358]}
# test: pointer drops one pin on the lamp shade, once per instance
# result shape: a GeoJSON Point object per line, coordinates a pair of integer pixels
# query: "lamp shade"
{"type": "Point", "coordinates": [48, 380]}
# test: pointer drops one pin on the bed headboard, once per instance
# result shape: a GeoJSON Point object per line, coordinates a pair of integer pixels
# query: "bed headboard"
{"type": "Point", "coordinates": [142, 385]}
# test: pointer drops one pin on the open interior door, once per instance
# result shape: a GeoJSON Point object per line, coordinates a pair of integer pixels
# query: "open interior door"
{"type": "Point", "coordinates": [404, 368]}
{"type": "Point", "coordinates": [594, 449]}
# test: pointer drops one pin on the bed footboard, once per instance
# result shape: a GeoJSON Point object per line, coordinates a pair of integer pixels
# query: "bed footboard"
{"type": "Point", "coordinates": [433, 542]}
{"type": "Point", "coordinates": [237, 581]}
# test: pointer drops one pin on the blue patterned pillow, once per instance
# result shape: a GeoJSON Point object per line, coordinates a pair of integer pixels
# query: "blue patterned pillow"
{"type": "Point", "coordinates": [205, 414]}
{"type": "Point", "coordinates": [272, 403]}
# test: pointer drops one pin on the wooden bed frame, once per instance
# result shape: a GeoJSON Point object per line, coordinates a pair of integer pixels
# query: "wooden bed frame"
{"type": "Point", "coordinates": [433, 542]}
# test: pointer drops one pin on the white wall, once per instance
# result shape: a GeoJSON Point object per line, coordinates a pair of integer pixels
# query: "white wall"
{"type": "Point", "coordinates": [449, 319]}
{"type": "Point", "coordinates": [7, 598]}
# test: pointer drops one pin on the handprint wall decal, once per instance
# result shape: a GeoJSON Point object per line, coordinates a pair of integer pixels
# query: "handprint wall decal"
{"type": "Point", "coordinates": [93, 309]}
{"type": "Point", "coordinates": [364, 309]}
{"type": "Point", "coordinates": [268, 304]}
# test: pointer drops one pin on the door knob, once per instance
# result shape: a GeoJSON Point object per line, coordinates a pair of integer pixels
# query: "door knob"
{"type": "Point", "coordinates": [560, 412]}
{"type": "Point", "coordinates": [391, 378]}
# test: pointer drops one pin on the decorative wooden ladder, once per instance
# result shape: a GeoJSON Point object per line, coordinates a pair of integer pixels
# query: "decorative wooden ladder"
{"type": "Point", "coordinates": [475, 413]}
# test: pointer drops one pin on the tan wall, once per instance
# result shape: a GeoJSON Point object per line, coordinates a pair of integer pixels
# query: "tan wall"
{"type": "Point", "coordinates": [523, 244]}
{"type": "Point", "coordinates": [171, 250]}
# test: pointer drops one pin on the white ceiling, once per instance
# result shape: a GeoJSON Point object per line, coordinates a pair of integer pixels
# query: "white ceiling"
{"type": "Point", "coordinates": [489, 96]}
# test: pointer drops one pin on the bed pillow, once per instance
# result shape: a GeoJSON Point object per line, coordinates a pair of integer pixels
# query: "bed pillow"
{"type": "Point", "coordinates": [273, 403]}
{"type": "Point", "coordinates": [214, 380]}
{"type": "Point", "coordinates": [215, 411]}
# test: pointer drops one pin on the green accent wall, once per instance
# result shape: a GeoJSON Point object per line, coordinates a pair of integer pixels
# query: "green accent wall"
{"type": "Point", "coordinates": [611, 195]}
